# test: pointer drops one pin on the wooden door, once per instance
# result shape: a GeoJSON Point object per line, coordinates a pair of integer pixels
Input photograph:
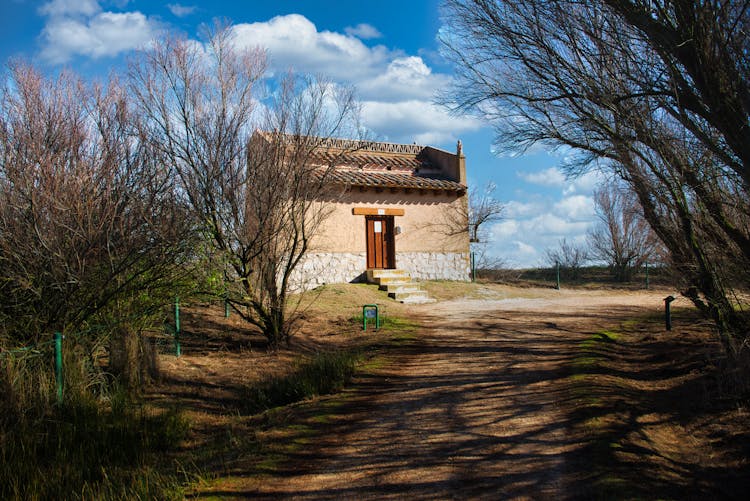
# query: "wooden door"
{"type": "Point", "coordinates": [380, 242]}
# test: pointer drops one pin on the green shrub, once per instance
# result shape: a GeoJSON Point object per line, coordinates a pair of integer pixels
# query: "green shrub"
{"type": "Point", "coordinates": [322, 374]}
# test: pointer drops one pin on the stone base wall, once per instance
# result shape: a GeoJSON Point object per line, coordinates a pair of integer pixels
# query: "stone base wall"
{"type": "Point", "coordinates": [318, 268]}
{"type": "Point", "coordinates": [435, 265]}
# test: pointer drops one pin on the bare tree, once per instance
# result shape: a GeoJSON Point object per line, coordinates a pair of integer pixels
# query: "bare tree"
{"type": "Point", "coordinates": [256, 194]}
{"type": "Point", "coordinates": [483, 210]}
{"type": "Point", "coordinates": [90, 228]}
{"type": "Point", "coordinates": [621, 237]}
{"type": "Point", "coordinates": [568, 256]}
{"type": "Point", "coordinates": [286, 198]}
{"type": "Point", "coordinates": [480, 210]}
{"type": "Point", "coordinates": [656, 91]}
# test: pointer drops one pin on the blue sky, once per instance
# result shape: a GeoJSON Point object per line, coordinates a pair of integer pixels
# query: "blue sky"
{"type": "Point", "coordinates": [388, 49]}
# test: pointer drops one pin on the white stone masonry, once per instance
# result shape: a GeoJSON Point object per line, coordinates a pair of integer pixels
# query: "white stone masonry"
{"type": "Point", "coordinates": [318, 268]}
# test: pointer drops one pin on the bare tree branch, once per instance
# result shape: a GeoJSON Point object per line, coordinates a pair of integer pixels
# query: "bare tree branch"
{"type": "Point", "coordinates": [244, 160]}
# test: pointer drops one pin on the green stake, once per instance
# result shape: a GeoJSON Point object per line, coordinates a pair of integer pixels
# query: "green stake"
{"type": "Point", "coordinates": [558, 275]}
{"type": "Point", "coordinates": [473, 267]}
{"type": "Point", "coordinates": [58, 367]}
{"type": "Point", "coordinates": [177, 349]}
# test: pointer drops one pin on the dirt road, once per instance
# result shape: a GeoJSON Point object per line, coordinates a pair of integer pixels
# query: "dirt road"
{"type": "Point", "coordinates": [478, 407]}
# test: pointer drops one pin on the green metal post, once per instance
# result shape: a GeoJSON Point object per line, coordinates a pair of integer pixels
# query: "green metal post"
{"type": "Point", "coordinates": [177, 349]}
{"type": "Point", "coordinates": [473, 267]}
{"type": "Point", "coordinates": [226, 308]}
{"type": "Point", "coordinates": [557, 266]}
{"type": "Point", "coordinates": [58, 367]}
{"type": "Point", "coordinates": [646, 274]}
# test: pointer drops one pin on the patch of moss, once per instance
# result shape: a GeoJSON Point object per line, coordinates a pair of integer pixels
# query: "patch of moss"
{"type": "Point", "coordinates": [608, 336]}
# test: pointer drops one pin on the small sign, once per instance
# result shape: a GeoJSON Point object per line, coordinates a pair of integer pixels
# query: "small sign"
{"type": "Point", "coordinates": [370, 312]}
{"type": "Point", "coordinates": [381, 212]}
{"type": "Point", "coordinates": [378, 227]}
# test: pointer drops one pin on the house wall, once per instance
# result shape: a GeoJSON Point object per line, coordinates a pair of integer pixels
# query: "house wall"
{"type": "Point", "coordinates": [452, 166]}
{"type": "Point", "coordinates": [433, 243]}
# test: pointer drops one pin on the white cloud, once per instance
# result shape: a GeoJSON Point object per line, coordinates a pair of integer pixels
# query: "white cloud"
{"type": "Point", "coordinates": [527, 251]}
{"type": "Point", "coordinates": [70, 8]}
{"type": "Point", "coordinates": [106, 34]}
{"type": "Point", "coordinates": [576, 207]}
{"type": "Point", "coordinates": [552, 225]}
{"type": "Point", "coordinates": [515, 208]}
{"type": "Point", "coordinates": [585, 183]}
{"type": "Point", "coordinates": [531, 227]}
{"type": "Point", "coordinates": [363, 31]}
{"type": "Point", "coordinates": [548, 177]}
{"type": "Point", "coordinates": [404, 78]}
{"type": "Point", "coordinates": [293, 41]}
{"type": "Point", "coordinates": [81, 28]}
{"type": "Point", "coordinates": [554, 177]}
{"type": "Point", "coordinates": [415, 121]}
{"type": "Point", "coordinates": [397, 89]}
{"type": "Point", "coordinates": [180, 10]}
{"type": "Point", "coordinates": [505, 229]}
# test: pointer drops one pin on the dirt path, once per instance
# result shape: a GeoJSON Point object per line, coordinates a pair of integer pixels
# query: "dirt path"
{"type": "Point", "coordinates": [479, 407]}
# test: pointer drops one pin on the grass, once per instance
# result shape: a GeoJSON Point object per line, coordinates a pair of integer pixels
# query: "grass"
{"type": "Point", "coordinates": [326, 372]}
{"type": "Point", "coordinates": [84, 451]}
{"type": "Point", "coordinates": [396, 325]}
{"type": "Point", "coordinates": [101, 442]}
{"type": "Point", "coordinates": [595, 425]}
{"type": "Point", "coordinates": [322, 374]}
{"type": "Point", "coordinates": [330, 301]}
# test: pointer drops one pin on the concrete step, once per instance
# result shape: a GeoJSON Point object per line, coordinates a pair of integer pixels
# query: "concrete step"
{"type": "Point", "coordinates": [399, 286]}
{"type": "Point", "coordinates": [384, 283]}
{"type": "Point", "coordinates": [411, 296]}
{"type": "Point", "coordinates": [404, 287]}
{"type": "Point", "coordinates": [375, 275]}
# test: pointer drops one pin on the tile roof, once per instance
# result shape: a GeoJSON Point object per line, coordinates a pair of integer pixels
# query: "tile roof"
{"type": "Point", "coordinates": [379, 165]}
{"type": "Point", "coordinates": [371, 160]}
{"type": "Point", "coordinates": [384, 165]}
{"type": "Point", "coordinates": [392, 180]}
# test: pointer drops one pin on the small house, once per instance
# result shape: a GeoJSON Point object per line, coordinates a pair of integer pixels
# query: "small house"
{"type": "Point", "coordinates": [399, 207]}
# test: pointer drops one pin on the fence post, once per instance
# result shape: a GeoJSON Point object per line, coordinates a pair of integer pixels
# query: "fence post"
{"type": "Point", "coordinates": [226, 308]}
{"type": "Point", "coordinates": [473, 267]}
{"type": "Point", "coordinates": [177, 350]}
{"type": "Point", "coordinates": [667, 312]}
{"type": "Point", "coordinates": [58, 367]}
{"type": "Point", "coordinates": [647, 275]}
{"type": "Point", "coordinates": [557, 267]}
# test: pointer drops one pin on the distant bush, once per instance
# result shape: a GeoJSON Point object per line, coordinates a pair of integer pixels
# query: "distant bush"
{"type": "Point", "coordinates": [658, 275]}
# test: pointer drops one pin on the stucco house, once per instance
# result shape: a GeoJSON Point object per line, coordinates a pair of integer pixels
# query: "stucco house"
{"type": "Point", "coordinates": [400, 207]}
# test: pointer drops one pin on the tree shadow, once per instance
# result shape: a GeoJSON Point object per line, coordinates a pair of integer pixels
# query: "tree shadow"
{"type": "Point", "coordinates": [518, 405]}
